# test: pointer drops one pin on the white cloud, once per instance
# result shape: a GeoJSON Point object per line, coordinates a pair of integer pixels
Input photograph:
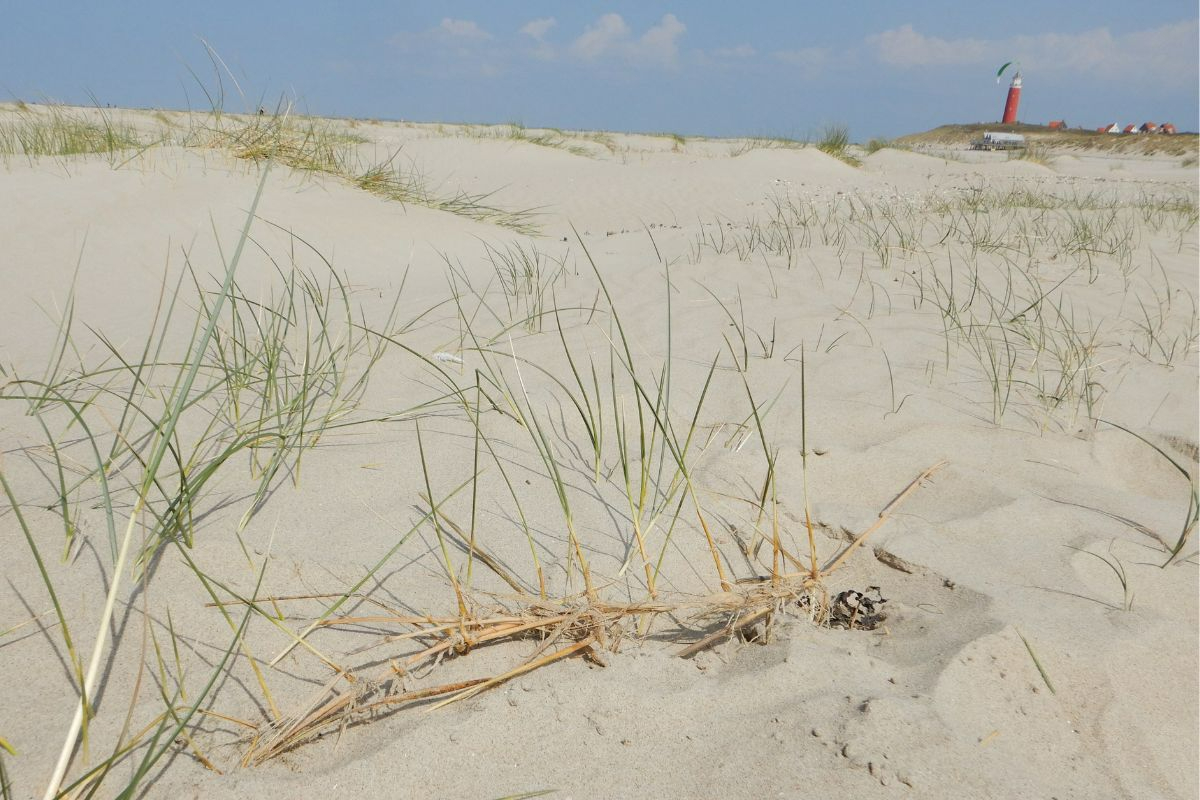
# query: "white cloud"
{"type": "Point", "coordinates": [449, 35]}
{"type": "Point", "coordinates": [604, 35]}
{"type": "Point", "coordinates": [538, 28]}
{"type": "Point", "coordinates": [660, 43]}
{"type": "Point", "coordinates": [905, 47]}
{"type": "Point", "coordinates": [610, 35]}
{"type": "Point", "coordinates": [463, 29]}
{"type": "Point", "coordinates": [1165, 55]}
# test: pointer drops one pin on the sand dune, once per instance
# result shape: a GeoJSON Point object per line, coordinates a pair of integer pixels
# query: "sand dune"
{"type": "Point", "coordinates": [766, 329]}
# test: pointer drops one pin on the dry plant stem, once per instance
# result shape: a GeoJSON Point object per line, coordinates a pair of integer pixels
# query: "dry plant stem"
{"type": "Point", "coordinates": [311, 723]}
{"type": "Point", "coordinates": [521, 670]}
{"type": "Point", "coordinates": [776, 544]}
{"type": "Point", "coordinates": [883, 517]}
{"type": "Point", "coordinates": [475, 550]}
{"type": "Point", "coordinates": [64, 758]}
{"type": "Point", "coordinates": [502, 632]}
{"type": "Point", "coordinates": [641, 543]}
{"type": "Point", "coordinates": [725, 632]}
{"type": "Point", "coordinates": [813, 573]}
{"type": "Point", "coordinates": [741, 622]}
{"type": "Point", "coordinates": [712, 546]}
{"type": "Point", "coordinates": [328, 708]}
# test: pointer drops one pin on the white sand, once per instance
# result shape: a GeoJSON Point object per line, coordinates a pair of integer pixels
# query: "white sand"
{"type": "Point", "coordinates": [986, 562]}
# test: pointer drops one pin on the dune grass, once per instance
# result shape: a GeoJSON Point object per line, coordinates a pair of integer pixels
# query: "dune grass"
{"type": "Point", "coordinates": [586, 144]}
{"type": "Point", "coordinates": [259, 382]}
{"type": "Point", "coordinates": [660, 494]}
{"type": "Point", "coordinates": [742, 146]}
{"type": "Point", "coordinates": [1033, 153]}
{"type": "Point", "coordinates": [877, 144]}
{"type": "Point", "coordinates": [321, 146]}
{"type": "Point", "coordinates": [835, 141]}
{"type": "Point", "coordinates": [55, 131]}
{"type": "Point", "coordinates": [551, 137]}
{"type": "Point", "coordinates": [305, 144]}
{"type": "Point", "coordinates": [974, 257]}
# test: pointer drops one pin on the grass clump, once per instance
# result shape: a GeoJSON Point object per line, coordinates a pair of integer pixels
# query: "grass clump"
{"type": "Point", "coordinates": [321, 147]}
{"type": "Point", "coordinates": [142, 436]}
{"type": "Point", "coordinates": [678, 141]}
{"type": "Point", "coordinates": [743, 146]}
{"type": "Point", "coordinates": [657, 448]}
{"type": "Point", "coordinates": [835, 141]}
{"type": "Point", "coordinates": [1035, 154]}
{"type": "Point", "coordinates": [549, 137]}
{"type": "Point", "coordinates": [302, 144]}
{"type": "Point", "coordinates": [56, 131]}
{"type": "Point", "coordinates": [393, 182]}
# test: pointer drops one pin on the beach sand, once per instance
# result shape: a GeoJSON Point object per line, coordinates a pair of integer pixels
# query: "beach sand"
{"type": "Point", "coordinates": [1007, 317]}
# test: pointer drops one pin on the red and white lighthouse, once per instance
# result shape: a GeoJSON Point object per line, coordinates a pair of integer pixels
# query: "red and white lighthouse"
{"type": "Point", "coordinates": [1014, 100]}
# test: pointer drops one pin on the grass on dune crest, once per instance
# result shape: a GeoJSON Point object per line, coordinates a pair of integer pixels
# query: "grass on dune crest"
{"type": "Point", "coordinates": [743, 146]}
{"type": "Point", "coordinates": [1035, 154]}
{"type": "Point", "coordinates": [875, 145]}
{"type": "Point", "coordinates": [306, 144]}
{"type": "Point", "coordinates": [586, 144]}
{"type": "Point", "coordinates": [550, 137]}
{"type": "Point", "coordinates": [53, 131]}
{"type": "Point", "coordinates": [835, 141]}
{"type": "Point", "coordinates": [321, 146]}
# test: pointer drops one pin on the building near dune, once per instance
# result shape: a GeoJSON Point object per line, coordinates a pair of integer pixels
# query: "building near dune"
{"type": "Point", "coordinates": [1110, 128]}
{"type": "Point", "coordinates": [999, 141]}
{"type": "Point", "coordinates": [1057, 125]}
{"type": "Point", "coordinates": [1145, 127]}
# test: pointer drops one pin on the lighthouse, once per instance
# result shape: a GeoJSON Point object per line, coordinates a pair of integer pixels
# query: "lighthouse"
{"type": "Point", "coordinates": [1014, 100]}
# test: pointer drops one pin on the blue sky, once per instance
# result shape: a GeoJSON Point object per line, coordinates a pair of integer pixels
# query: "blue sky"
{"type": "Point", "coordinates": [784, 67]}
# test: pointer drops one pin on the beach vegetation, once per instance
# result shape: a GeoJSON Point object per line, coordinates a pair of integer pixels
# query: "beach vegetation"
{"type": "Point", "coordinates": [56, 131]}
{"type": "Point", "coordinates": [835, 141]}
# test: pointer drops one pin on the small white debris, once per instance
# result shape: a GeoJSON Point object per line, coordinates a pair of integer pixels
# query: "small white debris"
{"type": "Point", "coordinates": [447, 358]}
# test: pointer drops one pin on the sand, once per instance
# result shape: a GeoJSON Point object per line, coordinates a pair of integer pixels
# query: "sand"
{"type": "Point", "coordinates": [1012, 662]}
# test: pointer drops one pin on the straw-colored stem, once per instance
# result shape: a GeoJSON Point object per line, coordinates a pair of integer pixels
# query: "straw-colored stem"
{"type": "Point", "coordinates": [883, 517]}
